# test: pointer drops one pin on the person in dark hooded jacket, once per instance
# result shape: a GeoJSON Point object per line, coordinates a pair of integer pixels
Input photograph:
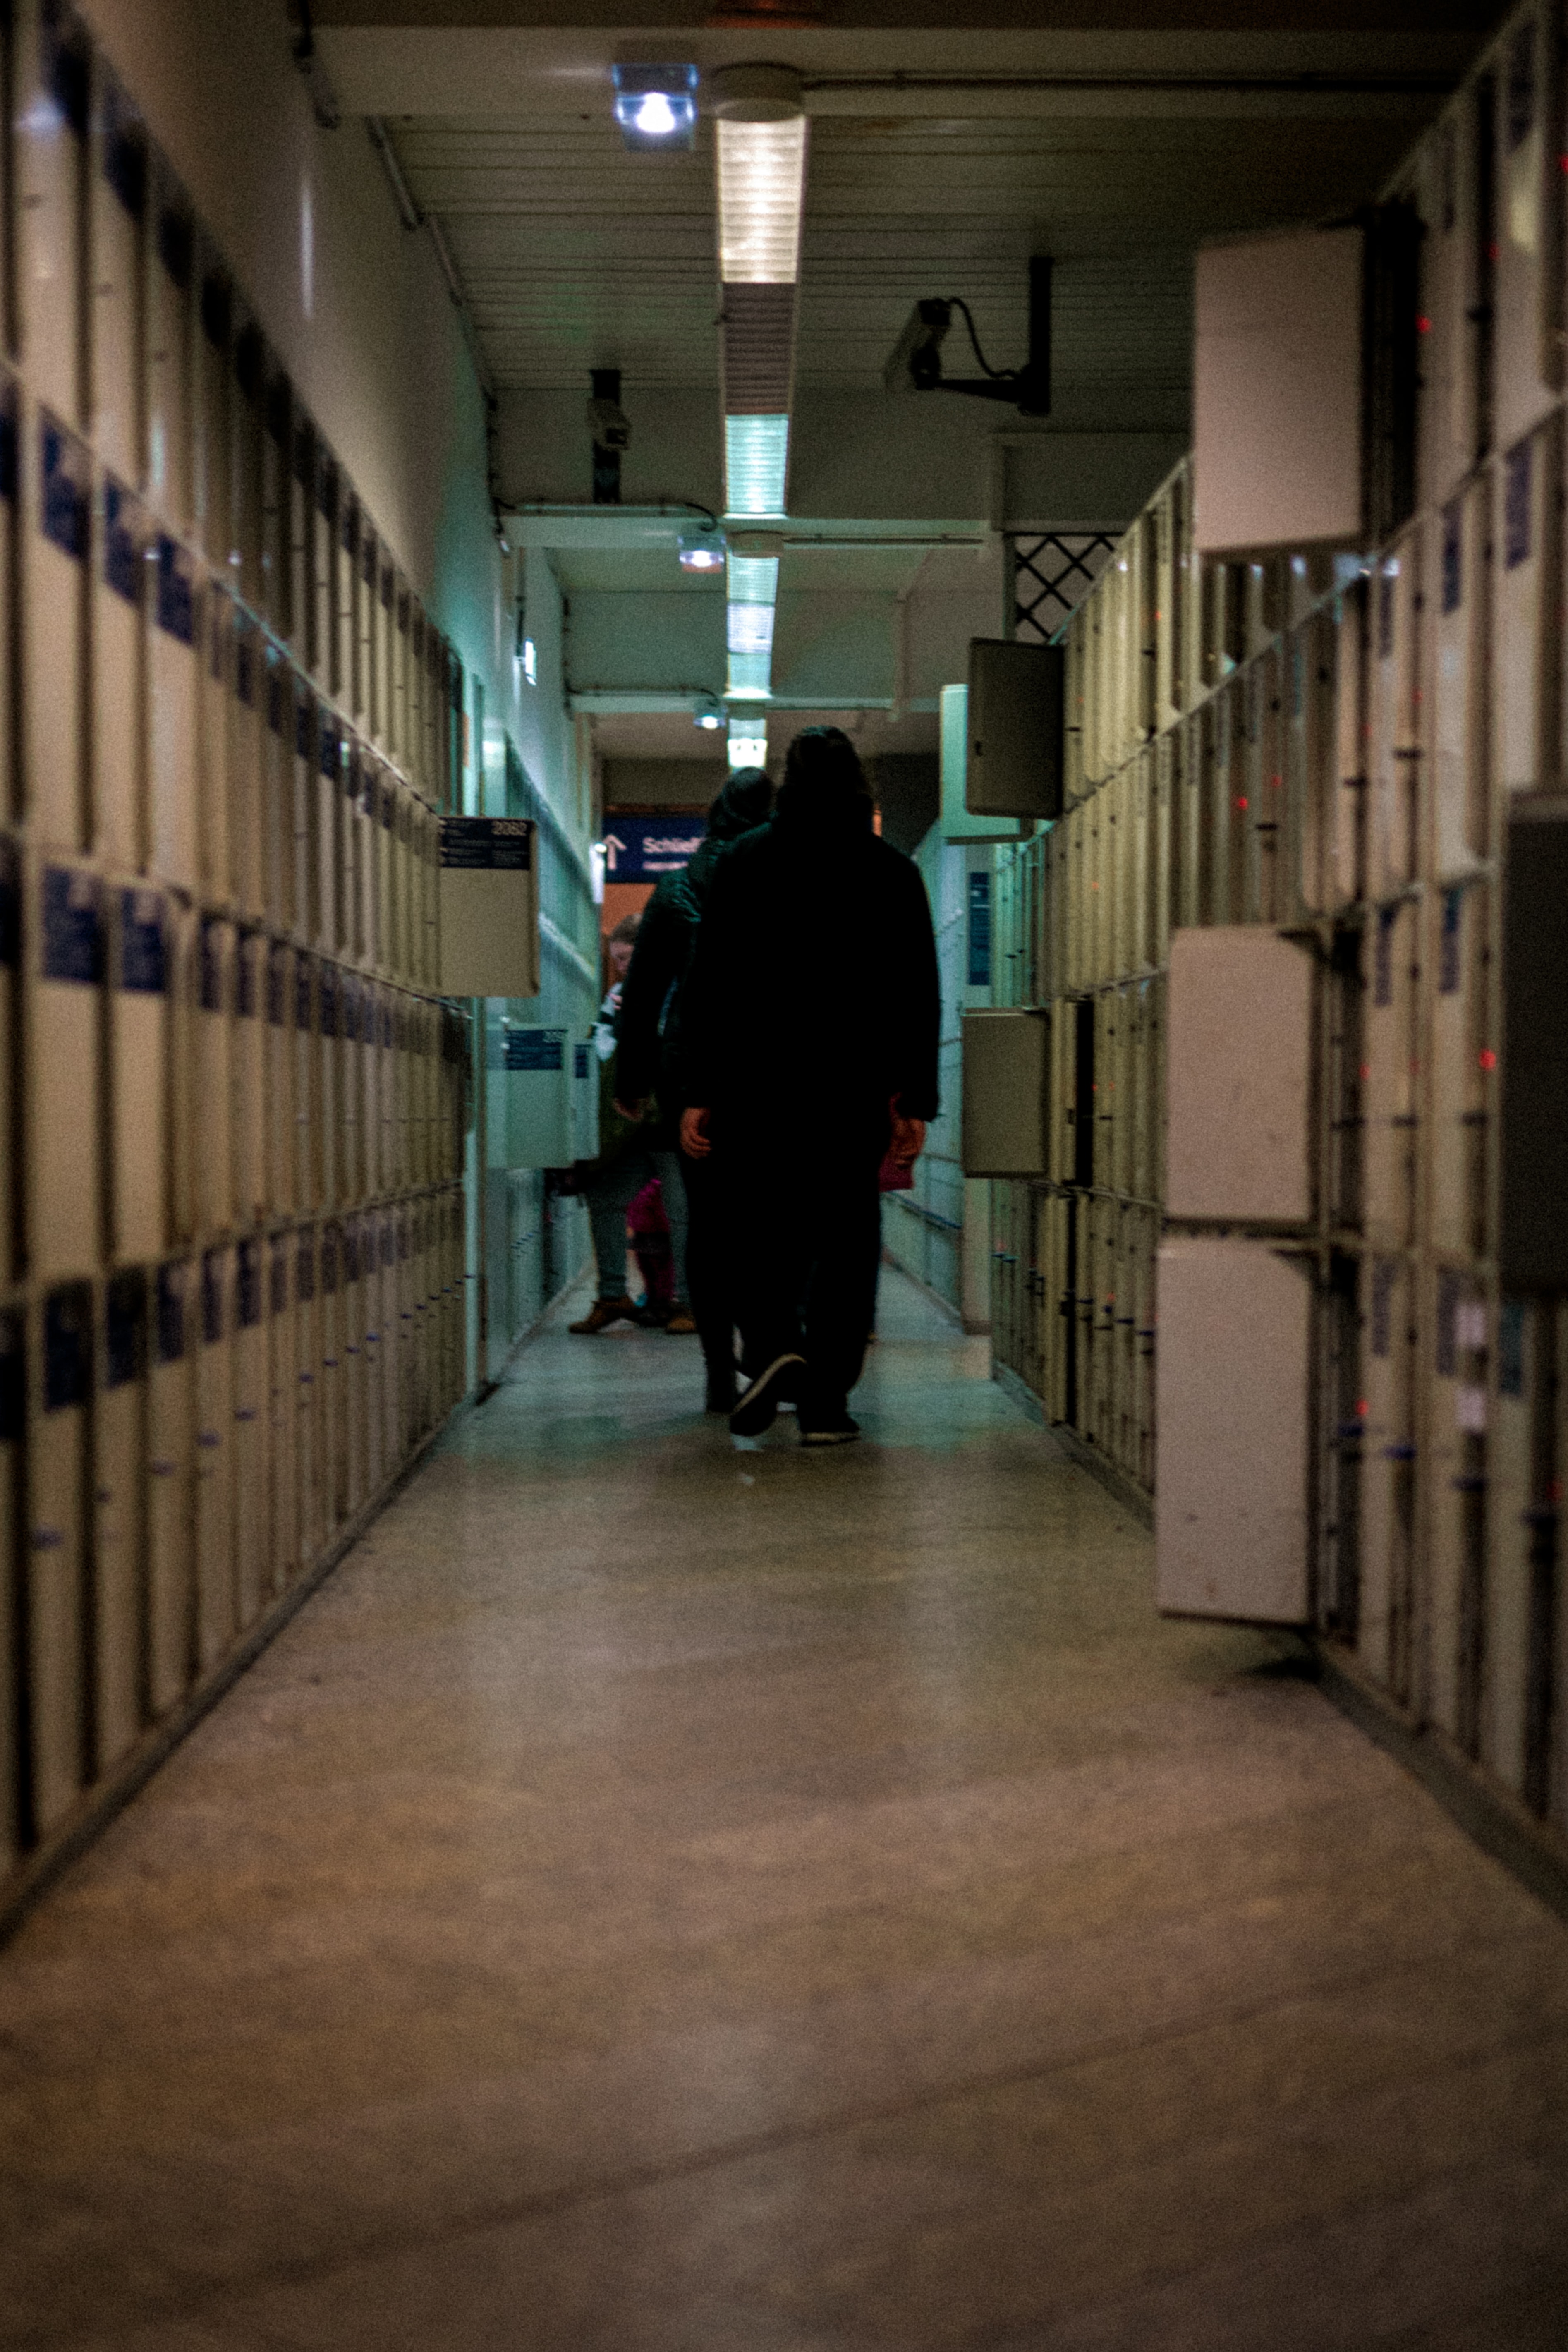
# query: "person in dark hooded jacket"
{"type": "Point", "coordinates": [646, 1060]}
{"type": "Point", "coordinates": [808, 1051]}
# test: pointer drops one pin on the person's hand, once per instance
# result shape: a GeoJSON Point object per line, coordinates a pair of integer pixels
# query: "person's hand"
{"type": "Point", "coordinates": [636, 1112]}
{"type": "Point", "coordinates": [908, 1141]}
{"type": "Point", "coordinates": [695, 1141]}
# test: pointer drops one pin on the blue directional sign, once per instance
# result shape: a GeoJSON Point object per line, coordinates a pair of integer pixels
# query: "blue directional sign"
{"type": "Point", "coordinates": [641, 848]}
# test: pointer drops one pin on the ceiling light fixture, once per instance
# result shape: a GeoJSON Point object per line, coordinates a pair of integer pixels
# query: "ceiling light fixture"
{"type": "Point", "coordinates": [750, 750]}
{"type": "Point", "coordinates": [655, 106]}
{"type": "Point", "coordinates": [701, 550]}
{"type": "Point", "coordinates": [756, 464]}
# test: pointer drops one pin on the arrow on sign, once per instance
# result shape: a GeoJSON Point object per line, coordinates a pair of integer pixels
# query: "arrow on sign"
{"type": "Point", "coordinates": [612, 843]}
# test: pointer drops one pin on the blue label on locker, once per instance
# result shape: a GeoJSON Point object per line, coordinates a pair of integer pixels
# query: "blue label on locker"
{"type": "Point", "coordinates": [329, 1000]}
{"type": "Point", "coordinates": [212, 1296]}
{"type": "Point", "coordinates": [579, 1061]}
{"type": "Point", "coordinates": [67, 1346]}
{"type": "Point", "coordinates": [124, 542]}
{"type": "Point", "coordinates": [143, 961]}
{"type": "Point", "coordinates": [172, 1279]}
{"type": "Point", "coordinates": [125, 1329]}
{"type": "Point", "coordinates": [305, 1269]}
{"type": "Point", "coordinates": [535, 1049]}
{"type": "Point", "coordinates": [13, 1380]}
{"type": "Point", "coordinates": [8, 430]}
{"type": "Point", "coordinates": [249, 1285]}
{"type": "Point", "coordinates": [68, 486]}
{"type": "Point", "coordinates": [10, 905]}
{"type": "Point", "coordinates": [497, 844]}
{"type": "Point", "coordinates": [73, 926]}
{"type": "Point", "coordinates": [176, 605]}
{"type": "Point", "coordinates": [212, 967]}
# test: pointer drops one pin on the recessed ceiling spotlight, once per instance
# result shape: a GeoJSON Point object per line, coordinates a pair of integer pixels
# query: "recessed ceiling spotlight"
{"type": "Point", "coordinates": [701, 550]}
{"type": "Point", "coordinates": [655, 106]}
{"type": "Point", "coordinates": [709, 721]}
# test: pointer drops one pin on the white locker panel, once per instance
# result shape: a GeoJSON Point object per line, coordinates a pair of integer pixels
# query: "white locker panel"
{"type": "Point", "coordinates": [307, 1400]}
{"type": "Point", "coordinates": [1448, 196]}
{"type": "Point", "coordinates": [356, 1487]}
{"type": "Point", "coordinates": [385, 635]}
{"type": "Point", "coordinates": [1526, 208]}
{"type": "Point", "coordinates": [333, 1384]}
{"type": "Point", "coordinates": [13, 1434]}
{"type": "Point", "coordinates": [276, 444]}
{"type": "Point", "coordinates": [1239, 1042]}
{"type": "Point", "coordinates": [119, 1506]}
{"type": "Point", "coordinates": [307, 793]}
{"type": "Point", "coordinates": [185, 945]}
{"type": "Point", "coordinates": [253, 1533]}
{"type": "Point", "coordinates": [173, 681]}
{"type": "Point", "coordinates": [1389, 1073]}
{"type": "Point", "coordinates": [247, 439]}
{"type": "Point", "coordinates": [367, 610]}
{"type": "Point", "coordinates": [213, 1108]}
{"type": "Point", "coordinates": [1455, 683]}
{"type": "Point", "coordinates": [1526, 641]}
{"type": "Point", "coordinates": [212, 756]}
{"type": "Point", "coordinates": [377, 1461]}
{"type": "Point", "coordinates": [329, 826]}
{"type": "Point", "coordinates": [214, 1461]}
{"type": "Point", "coordinates": [171, 1491]}
{"type": "Point", "coordinates": [389, 1348]}
{"type": "Point", "coordinates": [1393, 716]}
{"type": "Point", "coordinates": [1463, 1059]}
{"type": "Point", "coordinates": [277, 750]}
{"type": "Point", "coordinates": [282, 1383]}
{"type": "Point", "coordinates": [307, 1086]}
{"type": "Point", "coordinates": [55, 584]}
{"type": "Point", "coordinates": [247, 801]}
{"type": "Point", "coordinates": [350, 1091]}
{"type": "Point", "coordinates": [119, 719]}
{"type": "Point", "coordinates": [213, 405]}
{"type": "Point", "coordinates": [56, 1556]}
{"type": "Point", "coordinates": [1231, 1410]}
{"type": "Point", "coordinates": [350, 685]}
{"type": "Point", "coordinates": [252, 1100]}
{"type": "Point", "coordinates": [139, 1076]}
{"type": "Point", "coordinates": [1345, 851]}
{"type": "Point", "coordinates": [117, 212]}
{"type": "Point", "coordinates": [302, 487]}
{"type": "Point", "coordinates": [49, 106]}
{"type": "Point", "coordinates": [324, 571]}
{"type": "Point", "coordinates": [329, 1049]}
{"type": "Point", "coordinates": [169, 398]}
{"type": "Point", "coordinates": [62, 1046]}
{"type": "Point", "coordinates": [282, 1145]}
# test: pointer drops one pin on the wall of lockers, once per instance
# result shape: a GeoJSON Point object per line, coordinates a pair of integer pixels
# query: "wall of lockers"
{"type": "Point", "coordinates": [231, 1215]}
{"type": "Point", "coordinates": [1333, 746]}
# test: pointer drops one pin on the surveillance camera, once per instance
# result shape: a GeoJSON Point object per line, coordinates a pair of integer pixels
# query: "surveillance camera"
{"type": "Point", "coordinates": [916, 362]}
{"type": "Point", "coordinates": [608, 423]}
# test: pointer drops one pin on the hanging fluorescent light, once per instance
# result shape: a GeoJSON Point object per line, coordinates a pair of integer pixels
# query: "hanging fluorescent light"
{"type": "Point", "coordinates": [655, 106]}
{"type": "Point", "coordinates": [762, 191]}
{"type": "Point", "coordinates": [749, 628]}
{"type": "Point", "coordinates": [753, 579]}
{"type": "Point", "coordinates": [756, 461]}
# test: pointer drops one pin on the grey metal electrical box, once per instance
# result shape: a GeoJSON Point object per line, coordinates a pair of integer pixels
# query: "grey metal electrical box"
{"type": "Point", "coordinates": [1238, 1075]}
{"type": "Point", "coordinates": [1006, 1066]}
{"type": "Point", "coordinates": [1533, 1237]}
{"type": "Point", "coordinates": [489, 907]}
{"type": "Point", "coordinates": [1016, 720]}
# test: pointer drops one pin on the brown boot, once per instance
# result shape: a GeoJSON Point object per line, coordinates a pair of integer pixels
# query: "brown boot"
{"type": "Point", "coordinates": [603, 1312]}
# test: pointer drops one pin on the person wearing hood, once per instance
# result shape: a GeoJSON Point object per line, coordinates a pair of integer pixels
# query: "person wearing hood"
{"type": "Point", "coordinates": [646, 1067]}
{"type": "Point", "coordinates": [808, 1052]}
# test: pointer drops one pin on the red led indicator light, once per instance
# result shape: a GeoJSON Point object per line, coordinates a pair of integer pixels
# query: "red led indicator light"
{"type": "Point", "coordinates": [1361, 1408]}
{"type": "Point", "coordinates": [1423, 326]}
{"type": "Point", "coordinates": [1241, 800]}
{"type": "Point", "coordinates": [1365, 1071]}
{"type": "Point", "coordinates": [1488, 1059]}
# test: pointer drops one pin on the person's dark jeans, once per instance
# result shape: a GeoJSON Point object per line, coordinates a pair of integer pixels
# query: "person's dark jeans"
{"type": "Point", "coordinates": [806, 1284]}
{"type": "Point", "coordinates": [709, 1269]}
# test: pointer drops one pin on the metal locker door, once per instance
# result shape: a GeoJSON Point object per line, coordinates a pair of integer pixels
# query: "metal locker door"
{"type": "Point", "coordinates": [333, 1385]}
{"type": "Point", "coordinates": [329, 1053]}
{"type": "Point", "coordinates": [1526, 209]}
{"type": "Point", "coordinates": [1449, 196]}
{"type": "Point", "coordinates": [279, 1140]}
{"type": "Point", "coordinates": [389, 950]}
{"type": "Point", "coordinates": [216, 1621]}
{"type": "Point", "coordinates": [49, 101]}
{"type": "Point", "coordinates": [214, 847]}
{"type": "Point", "coordinates": [407, 919]}
{"type": "Point", "coordinates": [10, 1073]}
{"type": "Point", "coordinates": [302, 573]}
{"type": "Point", "coordinates": [408, 1335]}
{"type": "Point", "coordinates": [366, 608]}
{"type": "Point", "coordinates": [248, 430]}
{"type": "Point", "coordinates": [351, 930]}
{"type": "Point", "coordinates": [307, 1400]}
{"type": "Point", "coordinates": [307, 791]}
{"type": "Point", "coordinates": [12, 1432]}
{"type": "Point", "coordinates": [283, 1414]}
{"type": "Point", "coordinates": [369, 821]}
{"type": "Point", "coordinates": [213, 1107]}
{"type": "Point", "coordinates": [324, 569]}
{"type": "Point", "coordinates": [1462, 1061]}
{"type": "Point", "coordinates": [248, 811]}
{"type": "Point", "coordinates": [330, 822]}
{"type": "Point", "coordinates": [1513, 1534]}
{"type": "Point", "coordinates": [376, 1453]}
{"type": "Point", "coordinates": [174, 685]}
{"type": "Point", "coordinates": [56, 1556]}
{"type": "Point", "coordinates": [182, 935]}
{"type": "Point", "coordinates": [351, 1170]}
{"type": "Point", "coordinates": [249, 1112]}
{"type": "Point", "coordinates": [119, 1522]}
{"type": "Point", "coordinates": [171, 1494]}
{"type": "Point", "coordinates": [277, 475]}
{"type": "Point", "coordinates": [62, 1033]}
{"type": "Point", "coordinates": [117, 210]}
{"type": "Point", "coordinates": [139, 1077]}
{"type": "Point", "coordinates": [57, 487]}
{"type": "Point", "coordinates": [118, 689]}
{"type": "Point", "coordinates": [11, 791]}
{"type": "Point", "coordinates": [1526, 628]}
{"type": "Point", "coordinates": [1346, 860]}
{"type": "Point", "coordinates": [307, 1087]}
{"type": "Point", "coordinates": [1394, 730]}
{"type": "Point", "coordinates": [352, 1336]}
{"type": "Point", "coordinates": [1453, 1535]}
{"type": "Point", "coordinates": [253, 1534]}
{"type": "Point", "coordinates": [385, 631]}
{"type": "Point", "coordinates": [1393, 944]}
{"type": "Point", "coordinates": [350, 685]}
{"type": "Point", "coordinates": [1384, 1638]}
{"type": "Point", "coordinates": [415, 758]}
{"type": "Point", "coordinates": [401, 620]}
{"type": "Point", "coordinates": [277, 750]}
{"type": "Point", "coordinates": [214, 407]}
{"type": "Point", "coordinates": [168, 402]}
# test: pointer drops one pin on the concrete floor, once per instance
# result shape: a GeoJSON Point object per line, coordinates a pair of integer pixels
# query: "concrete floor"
{"type": "Point", "coordinates": [663, 1898]}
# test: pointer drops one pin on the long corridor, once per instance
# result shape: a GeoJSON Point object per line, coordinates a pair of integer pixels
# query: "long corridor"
{"type": "Point", "coordinates": [665, 1897]}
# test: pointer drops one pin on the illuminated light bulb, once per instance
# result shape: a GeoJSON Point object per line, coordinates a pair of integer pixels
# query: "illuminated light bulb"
{"type": "Point", "coordinates": [655, 117]}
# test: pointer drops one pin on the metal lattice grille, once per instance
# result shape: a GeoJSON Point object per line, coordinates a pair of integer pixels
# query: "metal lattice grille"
{"type": "Point", "coordinates": [1051, 574]}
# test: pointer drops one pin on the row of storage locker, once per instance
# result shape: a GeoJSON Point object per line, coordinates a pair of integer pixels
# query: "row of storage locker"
{"type": "Point", "coordinates": [157, 422]}
{"type": "Point", "coordinates": [156, 725]}
{"type": "Point", "coordinates": [177, 1077]}
{"type": "Point", "coordinates": [179, 1443]}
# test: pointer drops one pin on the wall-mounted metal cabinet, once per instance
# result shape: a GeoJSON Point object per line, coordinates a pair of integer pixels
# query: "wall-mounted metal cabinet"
{"type": "Point", "coordinates": [1006, 1063]}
